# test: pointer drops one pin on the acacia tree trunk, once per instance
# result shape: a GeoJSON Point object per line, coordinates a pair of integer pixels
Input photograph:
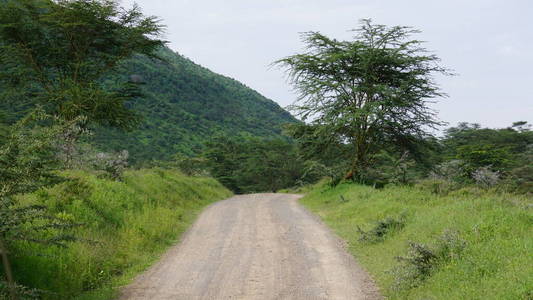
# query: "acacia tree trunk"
{"type": "Point", "coordinates": [359, 159]}
{"type": "Point", "coordinates": [7, 271]}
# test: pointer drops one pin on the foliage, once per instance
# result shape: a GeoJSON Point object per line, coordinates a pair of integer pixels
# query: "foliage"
{"type": "Point", "coordinates": [477, 156]}
{"type": "Point", "coordinates": [62, 48]}
{"type": "Point", "coordinates": [114, 164]}
{"type": "Point", "coordinates": [366, 93]}
{"type": "Point", "coordinates": [494, 242]}
{"type": "Point", "coordinates": [22, 292]}
{"type": "Point", "coordinates": [27, 163]}
{"type": "Point", "coordinates": [128, 224]}
{"type": "Point", "coordinates": [451, 170]}
{"type": "Point", "coordinates": [438, 186]}
{"type": "Point", "coordinates": [422, 260]}
{"type": "Point", "coordinates": [381, 229]}
{"type": "Point", "coordinates": [389, 167]}
{"type": "Point", "coordinates": [485, 177]}
{"type": "Point", "coordinates": [485, 155]}
{"type": "Point", "coordinates": [183, 106]}
{"type": "Point", "coordinates": [253, 165]}
{"type": "Point", "coordinates": [190, 166]}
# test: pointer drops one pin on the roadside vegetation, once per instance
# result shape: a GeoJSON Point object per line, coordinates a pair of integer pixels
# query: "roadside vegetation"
{"type": "Point", "coordinates": [471, 243]}
{"type": "Point", "coordinates": [430, 217]}
{"type": "Point", "coordinates": [76, 222]}
{"type": "Point", "coordinates": [122, 228]}
{"type": "Point", "coordinates": [446, 217]}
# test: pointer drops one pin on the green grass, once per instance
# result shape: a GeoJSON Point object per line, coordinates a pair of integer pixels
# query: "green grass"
{"type": "Point", "coordinates": [127, 226]}
{"type": "Point", "coordinates": [497, 262]}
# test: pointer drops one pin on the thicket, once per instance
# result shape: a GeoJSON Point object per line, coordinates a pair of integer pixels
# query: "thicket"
{"type": "Point", "coordinates": [247, 164]}
{"type": "Point", "coordinates": [465, 155]}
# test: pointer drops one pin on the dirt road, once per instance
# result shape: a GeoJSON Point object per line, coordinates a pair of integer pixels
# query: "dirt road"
{"type": "Point", "coordinates": [260, 246]}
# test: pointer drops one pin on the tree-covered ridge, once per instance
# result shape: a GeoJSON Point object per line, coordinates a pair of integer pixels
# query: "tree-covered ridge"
{"type": "Point", "coordinates": [184, 105]}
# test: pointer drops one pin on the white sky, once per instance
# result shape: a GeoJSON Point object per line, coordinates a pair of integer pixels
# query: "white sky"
{"type": "Point", "coordinates": [488, 43]}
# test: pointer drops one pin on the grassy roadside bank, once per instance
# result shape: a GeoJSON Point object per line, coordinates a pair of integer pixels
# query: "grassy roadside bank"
{"type": "Point", "coordinates": [127, 226]}
{"type": "Point", "coordinates": [468, 244]}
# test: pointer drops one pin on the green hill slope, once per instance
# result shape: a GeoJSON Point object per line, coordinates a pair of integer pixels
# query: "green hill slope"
{"type": "Point", "coordinates": [185, 105]}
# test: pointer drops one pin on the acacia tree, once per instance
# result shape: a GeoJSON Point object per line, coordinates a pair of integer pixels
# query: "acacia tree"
{"type": "Point", "coordinates": [55, 53]}
{"type": "Point", "coordinates": [367, 93]}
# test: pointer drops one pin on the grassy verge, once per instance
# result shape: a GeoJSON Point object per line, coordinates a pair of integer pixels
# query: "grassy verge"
{"type": "Point", "coordinates": [127, 226]}
{"type": "Point", "coordinates": [469, 244]}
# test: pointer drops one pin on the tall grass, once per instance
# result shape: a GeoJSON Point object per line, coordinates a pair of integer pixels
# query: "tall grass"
{"type": "Point", "coordinates": [495, 231]}
{"type": "Point", "coordinates": [126, 226]}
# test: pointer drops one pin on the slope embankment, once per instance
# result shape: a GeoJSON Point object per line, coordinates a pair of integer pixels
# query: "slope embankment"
{"type": "Point", "coordinates": [465, 244]}
{"type": "Point", "coordinates": [125, 227]}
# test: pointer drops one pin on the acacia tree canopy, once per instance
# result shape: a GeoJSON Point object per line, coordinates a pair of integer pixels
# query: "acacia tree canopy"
{"type": "Point", "coordinates": [370, 92]}
{"type": "Point", "coordinates": [55, 52]}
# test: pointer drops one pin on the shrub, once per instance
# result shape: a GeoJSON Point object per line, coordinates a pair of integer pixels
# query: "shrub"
{"type": "Point", "coordinates": [453, 170]}
{"type": "Point", "coordinates": [521, 179]}
{"type": "Point", "coordinates": [114, 164]}
{"type": "Point", "coordinates": [381, 229]}
{"type": "Point", "coordinates": [27, 163]}
{"type": "Point", "coordinates": [437, 186]}
{"type": "Point", "coordinates": [485, 177]}
{"type": "Point", "coordinates": [477, 156]}
{"type": "Point", "coordinates": [422, 260]}
{"type": "Point", "coordinates": [191, 166]}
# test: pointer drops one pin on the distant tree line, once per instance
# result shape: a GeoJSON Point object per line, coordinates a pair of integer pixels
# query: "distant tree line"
{"type": "Point", "coordinates": [467, 154]}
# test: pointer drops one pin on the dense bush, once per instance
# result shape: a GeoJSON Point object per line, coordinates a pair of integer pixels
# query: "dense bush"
{"type": "Point", "coordinates": [381, 229]}
{"type": "Point", "coordinates": [247, 165]}
{"type": "Point", "coordinates": [421, 260]}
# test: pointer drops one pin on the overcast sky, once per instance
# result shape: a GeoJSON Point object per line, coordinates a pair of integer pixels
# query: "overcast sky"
{"type": "Point", "coordinates": [488, 43]}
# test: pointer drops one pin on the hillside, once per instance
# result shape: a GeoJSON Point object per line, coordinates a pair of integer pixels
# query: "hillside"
{"type": "Point", "coordinates": [184, 105]}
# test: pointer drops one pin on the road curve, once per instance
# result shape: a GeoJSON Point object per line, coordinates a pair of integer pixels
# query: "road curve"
{"type": "Point", "coordinates": [259, 246]}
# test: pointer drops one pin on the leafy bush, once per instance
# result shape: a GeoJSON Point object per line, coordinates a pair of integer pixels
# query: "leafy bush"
{"type": "Point", "coordinates": [381, 229]}
{"type": "Point", "coordinates": [27, 163]}
{"type": "Point", "coordinates": [114, 164]}
{"type": "Point", "coordinates": [422, 260]}
{"type": "Point", "coordinates": [246, 165]}
{"type": "Point", "coordinates": [190, 166]}
{"type": "Point", "coordinates": [452, 170]}
{"type": "Point", "coordinates": [477, 156]}
{"type": "Point", "coordinates": [314, 170]}
{"type": "Point", "coordinates": [521, 179]}
{"type": "Point", "coordinates": [485, 177]}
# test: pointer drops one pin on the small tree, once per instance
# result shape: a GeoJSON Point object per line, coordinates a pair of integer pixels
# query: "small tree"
{"type": "Point", "coordinates": [27, 163]}
{"type": "Point", "coordinates": [367, 93]}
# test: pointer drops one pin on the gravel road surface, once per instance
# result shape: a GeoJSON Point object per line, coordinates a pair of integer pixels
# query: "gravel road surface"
{"type": "Point", "coordinates": [259, 246]}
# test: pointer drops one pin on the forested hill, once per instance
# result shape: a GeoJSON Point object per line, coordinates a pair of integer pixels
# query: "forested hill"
{"type": "Point", "coordinates": [185, 105]}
